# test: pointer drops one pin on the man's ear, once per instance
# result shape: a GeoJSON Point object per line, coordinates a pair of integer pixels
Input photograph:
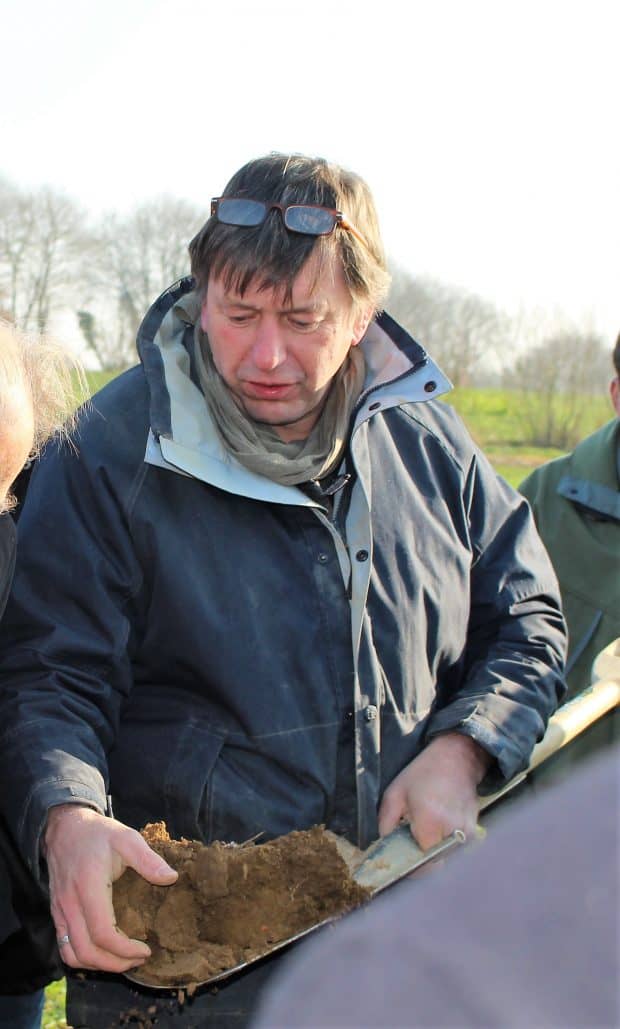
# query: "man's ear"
{"type": "Point", "coordinates": [361, 322]}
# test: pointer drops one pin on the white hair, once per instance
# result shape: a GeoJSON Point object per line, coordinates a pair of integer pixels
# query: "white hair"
{"type": "Point", "coordinates": [45, 373]}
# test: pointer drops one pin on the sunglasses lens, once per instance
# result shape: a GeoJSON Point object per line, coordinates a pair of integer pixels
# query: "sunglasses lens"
{"type": "Point", "coordinates": [314, 221]}
{"type": "Point", "coordinates": [235, 211]}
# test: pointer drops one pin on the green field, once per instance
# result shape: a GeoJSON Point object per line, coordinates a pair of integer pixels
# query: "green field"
{"type": "Point", "coordinates": [492, 417]}
{"type": "Point", "coordinates": [54, 1012]}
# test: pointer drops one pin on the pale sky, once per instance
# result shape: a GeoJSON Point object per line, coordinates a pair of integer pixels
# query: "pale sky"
{"type": "Point", "coordinates": [488, 130]}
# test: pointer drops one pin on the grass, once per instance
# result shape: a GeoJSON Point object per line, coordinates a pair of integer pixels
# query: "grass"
{"type": "Point", "coordinates": [492, 417]}
{"type": "Point", "coordinates": [54, 1011]}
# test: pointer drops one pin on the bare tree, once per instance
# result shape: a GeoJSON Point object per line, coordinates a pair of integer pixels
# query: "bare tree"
{"type": "Point", "coordinates": [461, 330]}
{"type": "Point", "coordinates": [15, 231]}
{"type": "Point", "coordinates": [557, 380]}
{"type": "Point", "coordinates": [137, 256]}
{"type": "Point", "coordinates": [43, 239]}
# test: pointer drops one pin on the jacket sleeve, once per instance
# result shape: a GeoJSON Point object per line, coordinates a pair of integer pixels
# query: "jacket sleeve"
{"type": "Point", "coordinates": [65, 642]}
{"type": "Point", "coordinates": [516, 643]}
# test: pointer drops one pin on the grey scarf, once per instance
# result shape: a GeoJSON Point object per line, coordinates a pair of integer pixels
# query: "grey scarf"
{"type": "Point", "coordinates": [258, 447]}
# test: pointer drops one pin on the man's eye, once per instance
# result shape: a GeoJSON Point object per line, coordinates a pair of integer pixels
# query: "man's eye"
{"type": "Point", "coordinates": [303, 326]}
{"type": "Point", "coordinates": [239, 319]}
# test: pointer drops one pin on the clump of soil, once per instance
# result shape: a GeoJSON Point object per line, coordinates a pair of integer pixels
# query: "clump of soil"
{"type": "Point", "coordinates": [230, 903]}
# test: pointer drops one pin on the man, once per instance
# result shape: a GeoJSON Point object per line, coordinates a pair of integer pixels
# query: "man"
{"type": "Point", "coordinates": [289, 590]}
{"type": "Point", "coordinates": [576, 504]}
{"type": "Point", "coordinates": [36, 396]}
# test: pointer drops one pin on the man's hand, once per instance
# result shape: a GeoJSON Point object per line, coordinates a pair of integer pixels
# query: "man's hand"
{"type": "Point", "coordinates": [85, 854]}
{"type": "Point", "coordinates": [436, 793]}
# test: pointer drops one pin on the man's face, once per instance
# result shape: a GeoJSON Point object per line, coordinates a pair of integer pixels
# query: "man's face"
{"type": "Point", "coordinates": [278, 358]}
{"type": "Point", "coordinates": [16, 438]}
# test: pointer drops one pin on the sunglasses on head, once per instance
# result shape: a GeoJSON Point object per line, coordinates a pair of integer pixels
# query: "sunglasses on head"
{"type": "Point", "coordinates": [309, 219]}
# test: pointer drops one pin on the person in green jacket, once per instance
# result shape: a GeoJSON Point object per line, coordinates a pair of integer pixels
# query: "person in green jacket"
{"type": "Point", "coordinates": [576, 504]}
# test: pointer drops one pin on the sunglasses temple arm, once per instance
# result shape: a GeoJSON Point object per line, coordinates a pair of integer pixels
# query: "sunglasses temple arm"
{"type": "Point", "coordinates": [351, 228]}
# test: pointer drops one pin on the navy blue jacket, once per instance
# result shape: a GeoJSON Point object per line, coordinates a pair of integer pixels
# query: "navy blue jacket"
{"type": "Point", "coordinates": [236, 656]}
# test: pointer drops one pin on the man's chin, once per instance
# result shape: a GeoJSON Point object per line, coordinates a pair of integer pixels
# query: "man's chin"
{"type": "Point", "coordinates": [267, 413]}
{"type": "Point", "coordinates": [289, 424]}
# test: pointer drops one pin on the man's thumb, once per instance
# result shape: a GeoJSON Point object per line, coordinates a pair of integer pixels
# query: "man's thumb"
{"type": "Point", "coordinates": [390, 812]}
{"type": "Point", "coordinates": [153, 868]}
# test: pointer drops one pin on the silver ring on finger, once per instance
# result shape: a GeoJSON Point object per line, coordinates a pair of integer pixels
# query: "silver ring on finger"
{"type": "Point", "coordinates": [63, 940]}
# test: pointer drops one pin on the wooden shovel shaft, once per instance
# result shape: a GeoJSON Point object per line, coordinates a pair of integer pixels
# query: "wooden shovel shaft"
{"type": "Point", "coordinates": [573, 718]}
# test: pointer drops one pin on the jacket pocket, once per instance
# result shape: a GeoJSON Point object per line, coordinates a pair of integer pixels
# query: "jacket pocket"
{"type": "Point", "coordinates": [208, 782]}
{"type": "Point", "coordinates": [162, 772]}
{"type": "Point", "coordinates": [257, 793]}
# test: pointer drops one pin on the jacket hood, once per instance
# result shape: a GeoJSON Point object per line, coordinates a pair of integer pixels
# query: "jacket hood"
{"type": "Point", "coordinates": [183, 435]}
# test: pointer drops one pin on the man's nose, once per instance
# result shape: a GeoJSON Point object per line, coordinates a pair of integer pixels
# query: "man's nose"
{"type": "Point", "coordinates": [268, 348]}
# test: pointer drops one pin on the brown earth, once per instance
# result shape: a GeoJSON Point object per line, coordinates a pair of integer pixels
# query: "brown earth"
{"type": "Point", "coordinates": [231, 902]}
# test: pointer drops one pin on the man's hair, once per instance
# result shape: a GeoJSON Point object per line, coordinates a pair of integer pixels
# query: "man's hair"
{"type": "Point", "coordinates": [616, 356]}
{"type": "Point", "coordinates": [271, 256]}
{"type": "Point", "coordinates": [47, 375]}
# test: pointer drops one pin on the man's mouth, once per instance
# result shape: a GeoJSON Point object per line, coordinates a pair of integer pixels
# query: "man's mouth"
{"type": "Point", "coordinates": [268, 390]}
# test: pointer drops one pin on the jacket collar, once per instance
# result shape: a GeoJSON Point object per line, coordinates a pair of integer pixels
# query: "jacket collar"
{"type": "Point", "coordinates": [591, 478]}
{"type": "Point", "coordinates": [183, 436]}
